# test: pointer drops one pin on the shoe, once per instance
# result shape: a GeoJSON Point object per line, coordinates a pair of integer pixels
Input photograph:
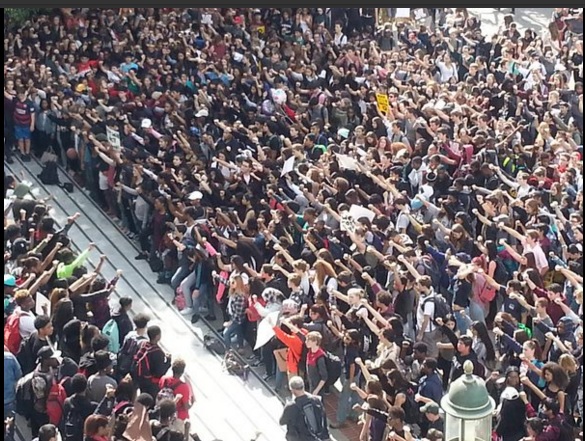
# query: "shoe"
{"type": "Point", "coordinates": [195, 318]}
{"type": "Point", "coordinates": [256, 363]}
{"type": "Point", "coordinates": [141, 256]}
{"type": "Point", "coordinates": [268, 377]}
{"type": "Point", "coordinates": [187, 311]}
{"type": "Point", "coordinates": [210, 318]}
{"type": "Point", "coordinates": [163, 281]}
{"type": "Point", "coordinates": [252, 358]}
{"type": "Point", "coordinates": [9, 160]}
{"type": "Point", "coordinates": [336, 425]}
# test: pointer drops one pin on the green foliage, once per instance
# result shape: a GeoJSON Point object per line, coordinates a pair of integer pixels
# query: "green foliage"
{"type": "Point", "coordinates": [17, 16]}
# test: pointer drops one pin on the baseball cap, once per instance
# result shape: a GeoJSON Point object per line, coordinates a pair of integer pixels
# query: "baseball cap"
{"type": "Point", "coordinates": [146, 123]}
{"type": "Point", "coordinates": [431, 407]}
{"type": "Point", "coordinates": [9, 280]}
{"type": "Point", "coordinates": [203, 113]}
{"type": "Point", "coordinates": [509, 393]}
{"type": "Point", "coordinates": [196, 195]}
{"type": "Point", "coordinates": [47, 352]}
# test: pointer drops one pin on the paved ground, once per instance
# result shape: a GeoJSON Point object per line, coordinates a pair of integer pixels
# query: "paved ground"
{"type": "Point", "coordinates": [535, 18]}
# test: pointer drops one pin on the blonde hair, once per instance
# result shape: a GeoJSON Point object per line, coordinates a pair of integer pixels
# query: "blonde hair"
{"type": "Point", "coordinates": [315, 337]}
{"type": "Point", "coordinates": [568, 363]}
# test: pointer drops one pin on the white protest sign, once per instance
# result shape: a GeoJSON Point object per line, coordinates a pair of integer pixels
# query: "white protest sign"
{"type": "Point", "coordinates": [402, 12]}
{"type": "Point", "coordinates": [43, 305]}
{"type": "Point", "coordinates": [288, 166]}
{"type": "Point", "coordinates": [347, 223]}
{"type": "Point", "coordinates": [113, 137]}
{"type": "Point", "coordinates": [265, 329]}
{"type": "Point", "coordinates": [347, 162]}
{"type": "Point", "coordinates": [357, 212]}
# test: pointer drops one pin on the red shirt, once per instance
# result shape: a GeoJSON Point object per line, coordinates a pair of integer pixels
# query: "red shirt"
{"type": "Point", "coordinates": [180, 388]}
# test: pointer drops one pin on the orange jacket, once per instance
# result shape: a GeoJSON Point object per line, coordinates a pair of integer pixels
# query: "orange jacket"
{"type": "Point", "coordinates": [295, 349]}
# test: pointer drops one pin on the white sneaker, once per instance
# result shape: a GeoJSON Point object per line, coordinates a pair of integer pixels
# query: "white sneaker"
{"type": "Point", "coordinates": [187, 311]}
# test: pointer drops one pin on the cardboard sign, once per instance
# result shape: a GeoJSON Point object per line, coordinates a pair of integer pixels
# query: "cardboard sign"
{"type": "Point", "coordinates": [113, 137]}
{"type": "Point", "coordinates": [383, 103]}
{"type": "Point", "coordinates": [347, 222]}
{"type": "Point", "coordinates": [288, 166]}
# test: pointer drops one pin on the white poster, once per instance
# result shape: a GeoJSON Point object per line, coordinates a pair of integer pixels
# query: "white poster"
{"type": "Point", "coordinates": [288, 166]}
{"type": "Point", "coordinates": [357, 212]}
{"type": "Point", "coordinates": [265, 329]}
{"type": "Point", "coordinates": [402, 12]}
{"type": "Point", "coordinates": [43, 305]}
{"type": "Point", "coordinates": [113, 137]}
{"type": "Point", "coordinates": [347, 162]}
{"type": "Point", "coordinates": [347, 222]}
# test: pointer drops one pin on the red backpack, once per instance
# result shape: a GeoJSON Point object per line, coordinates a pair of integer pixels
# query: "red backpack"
{"type": "Point", "coordinates": [12, 338]}
{"type": "Point", "coordinates": [55, 401]}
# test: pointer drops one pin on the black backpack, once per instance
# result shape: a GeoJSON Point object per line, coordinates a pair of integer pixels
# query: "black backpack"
{"type": "Point", "coordinates": [214, 345]}
{"type": "Point", "coordinates": [442, 308]}
{"type": "Point", "coordinates": [127, 353]}
{"type": "Point", "coordinates": [72, 425]}
{"type": "Point", "coordinates": [25, 396]}
{"type": "Point", "coordinates": [50, 174]}
{"type": "Point", "coordinates": [315, 418]}
{"type": "Point", "coordinates": [411, 407]}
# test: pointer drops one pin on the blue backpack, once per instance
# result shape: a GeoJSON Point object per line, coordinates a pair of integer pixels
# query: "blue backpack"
{"type": "Point", "coordinates": [113, 333]}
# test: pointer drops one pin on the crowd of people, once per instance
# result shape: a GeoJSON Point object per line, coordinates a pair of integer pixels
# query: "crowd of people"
{"type": "Point", "coordinates": [396, 194]}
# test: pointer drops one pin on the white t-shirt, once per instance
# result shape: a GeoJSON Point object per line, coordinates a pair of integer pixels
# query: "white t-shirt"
{"type": "Point", "coordinates": [539, 256]}
{"type": "Point", "coordinates": [426, 307]}
{"type": "Point", "coordinates": [26, 324]}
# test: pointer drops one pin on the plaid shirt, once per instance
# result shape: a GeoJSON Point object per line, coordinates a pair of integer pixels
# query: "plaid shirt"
{"type": "Point", "coordinates": [237, 308]}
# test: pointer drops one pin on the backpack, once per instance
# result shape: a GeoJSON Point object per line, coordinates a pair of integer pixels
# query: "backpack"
{"type": "Point", "coordinates": [113, 333]}
{"type": "Point", "coordinates": [334, 368]}
{"type": "Point", "coordinates": [25, 396]}
{"type": "Point", "coordinates": [141, 363]}
{"type": "Point", "coordinates": [12, 338]}
{"type": "Point", "coordinates": [315, 418]}
{"type": "Point", "coordinates": [442, 309]}
{"type": "Point", "coordinates": [234, 366]}
{"type": "Point", "coordinates": [213, 344]}
{"type": "Point", "coordinates": [330, 342]}
{"type": "Point", "coordinates": [55, 401]}
{"type": "Point", "coordinates": [431, 269]}
{"type": "Point", "coordinates": [50, 174]}
{"type": "Point", "coordinates": [25, 357]}
{"type": "Point", "coordinates": [127, 353]}
{"type": "Point", "coordinates": [167, 393]}
{"type": "Point", "coordinates": [411, 407]}
{"type": "Point", "coordinates": [73, 425]}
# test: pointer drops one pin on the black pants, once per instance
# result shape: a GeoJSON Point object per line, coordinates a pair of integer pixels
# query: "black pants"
{"type": "Point", "coordinates": [37, 420]}
{"type": "Point", "coordinates": [267, 354]}
{"type": "Point", "coordinates": [445, 366]}
{"type": "Point", "coordinates": [148, 387]}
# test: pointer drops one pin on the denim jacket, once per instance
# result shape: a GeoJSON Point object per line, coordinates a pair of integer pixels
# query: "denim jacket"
{"type": "Point", "coordinates": [12, 373]}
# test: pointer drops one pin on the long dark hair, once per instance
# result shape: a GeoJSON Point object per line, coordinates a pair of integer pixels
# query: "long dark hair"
{"type": "Point", "coordinates": [484, 337]}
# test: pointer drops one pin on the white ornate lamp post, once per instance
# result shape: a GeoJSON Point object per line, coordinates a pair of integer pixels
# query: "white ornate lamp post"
{"type": "Point", "coordinates": [469, 408]}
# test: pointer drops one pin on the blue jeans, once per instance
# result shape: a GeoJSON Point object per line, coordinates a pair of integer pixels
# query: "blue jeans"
{"type": "Point", "coordinates": [179, 277]}
{"type": "Point", "coordinates": [477, 312]}
{"type": "Point", "coordinates": [234, 330]}
{"type": "Point", "coordinates": [203, 300]}
{"type": "Point", "coordinates": [463, 321]}
{"type": "Point", "coordinates": [347, 399]}
{"type": "Point", "coordinates": [9, 413]}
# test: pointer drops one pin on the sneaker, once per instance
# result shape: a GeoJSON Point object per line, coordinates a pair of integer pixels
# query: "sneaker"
{"type": "Point", "coordinates": [187, 311]}
{"type": "Point", "coordinates": [9, 160]}
{"type": "Point", "coordinates": [195, 318]}
{"type": "Point", "coordinates": [141, 256]}
{"type": "Point", "coordinates": [210, 318]}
